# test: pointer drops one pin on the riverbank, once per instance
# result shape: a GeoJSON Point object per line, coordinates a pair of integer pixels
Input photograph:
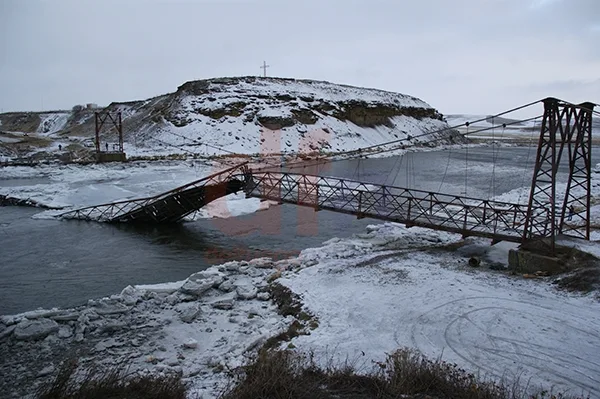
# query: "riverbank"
{"type": "Point", "coordinates": [399, 287]}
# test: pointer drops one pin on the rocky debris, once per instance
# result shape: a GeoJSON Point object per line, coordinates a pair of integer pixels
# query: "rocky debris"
{"type": "Point", "coordinates": [263, 296]}
{"type": "Point", "coordinates": [105, 308]}
{"type": "Point", "coordinates": [6, 331]}
{"type": "Point", "coordinates": [46, 371]}
{"type": "Point", "coordinates": [110, 328]}
{"type": "Point", "coordinates": [261, 263]}
{"type": "Point", "coordinates": [196, 288]}
{"type": "Point", "coordinates": [130, 296]}
{"type": "Point", "coordinates": [190, 344]}
{"type": "Point", "coordinates": [226, 286]}
{"type": "Point", "coordinates": [28, 330]}
{"type": "Point", "coordinates": [65, 332]}
{"type": "Point", "coordinates": [188, 312]}
{"type": "Point", "coordinates": [246, 292]}
{"type": "Point", "coordinates": [233, 266]}
{"type": "Point", "coordinates": [224, 304]}
{"type": "Point", "coordinates": [218, 307]}
{"type": "Point", "coordinates": [67, 316]}
{"type": "Point", "coordinates": [257, 343]}
{"type": "Point", "coordinates": [199, 283]}
{"type": "Point", "coordinates": [173, 299]}
{"type": "Point", "coordinates": [498, 266]}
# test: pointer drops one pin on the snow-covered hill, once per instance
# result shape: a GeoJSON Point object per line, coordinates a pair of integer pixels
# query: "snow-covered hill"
{"type": "Point", "coordinates": [244, 115]}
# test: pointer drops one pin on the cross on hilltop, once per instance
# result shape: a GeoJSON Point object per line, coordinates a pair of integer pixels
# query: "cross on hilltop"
{"type": "Point", "coordinates": [264, 68]}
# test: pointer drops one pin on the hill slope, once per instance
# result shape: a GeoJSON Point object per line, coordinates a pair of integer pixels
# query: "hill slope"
{"type": "Point", "coordinates": [243, 115]}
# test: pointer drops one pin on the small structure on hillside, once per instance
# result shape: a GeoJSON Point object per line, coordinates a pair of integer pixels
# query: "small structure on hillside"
{"type": "Point", "coordinates": [109, 124]}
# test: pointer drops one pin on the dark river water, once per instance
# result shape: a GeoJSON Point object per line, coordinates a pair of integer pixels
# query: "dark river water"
{"type": "Point", "coordinates": [48, 263]}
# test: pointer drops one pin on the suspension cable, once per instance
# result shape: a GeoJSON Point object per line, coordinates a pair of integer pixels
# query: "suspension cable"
{"type": "Point", "coordinates": [394, 168]}
{"type": "Point", "coordinates": [399, 169]}
{"type": "Point", "coordinates": [412, 167]}
{"type": "Point", "coordinates": [466, 160]}
{"type": "Point", "coordinates": [445, 171]}
{"type": "Point", "coordinates": [399, 141]}
{"type": "Point", "coordinates": [422, 143]}
{"type": "Point", "coordinates": [356, 175]}
{"type": "Point", "coordinates": [533, 129]}
{"type": "Point", "coordinates": [493, 183]}
{"type": "Point", "coordinates": [495, 152]}
{"type": "Point", "coordinates": [409, 169]}
{"type": "Point", "coordinates": [358, 152]}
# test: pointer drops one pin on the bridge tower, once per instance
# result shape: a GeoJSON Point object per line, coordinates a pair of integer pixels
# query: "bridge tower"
{"type": "Point", "coordinates": [109, 152]}
{"type": "Point", "coordinates": [566, 132]}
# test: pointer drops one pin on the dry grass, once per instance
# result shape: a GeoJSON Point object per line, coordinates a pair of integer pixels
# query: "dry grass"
{"type": "Point", "coordinates": [584, 275]}
{"type": "Point", "coordinates": [585, 279]}
{"type": "Point", "coordinates": [289, 304]}
{"type": "Point", "coordinates": [405, 374]}
{"type": "Point", "coordinates": [113, 384]}
{"type": "Point", "coordinates": [286, 374]}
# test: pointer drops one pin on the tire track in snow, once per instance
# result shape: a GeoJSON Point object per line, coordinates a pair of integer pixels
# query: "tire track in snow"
{"type": "Point", "coordinates": [505, 337]}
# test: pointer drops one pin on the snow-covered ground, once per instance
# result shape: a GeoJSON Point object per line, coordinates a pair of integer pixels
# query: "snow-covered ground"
{"type": "Point", "coordinates": [373, 293]}
{"type": "Point", "coordinates": [52, 122]}
{"type": "Point", "coordinates": [488, 323]}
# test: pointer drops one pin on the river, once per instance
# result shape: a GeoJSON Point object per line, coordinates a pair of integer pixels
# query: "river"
{"type": "Point", "coordinates": [48, 263]}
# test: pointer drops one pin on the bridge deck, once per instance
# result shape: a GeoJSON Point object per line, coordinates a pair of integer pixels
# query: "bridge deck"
{"type": "Point", "coordinates": [499, 221]}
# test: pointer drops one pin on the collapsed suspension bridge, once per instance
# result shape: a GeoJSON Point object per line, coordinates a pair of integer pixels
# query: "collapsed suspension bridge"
{"type": "Point", "coordinates": [565, 129]}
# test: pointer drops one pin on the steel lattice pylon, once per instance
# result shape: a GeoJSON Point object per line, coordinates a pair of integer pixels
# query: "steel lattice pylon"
{"type": "Point", "coordinates": [116, 122]}
{"type": "Point", "coordinates": [564, 127]}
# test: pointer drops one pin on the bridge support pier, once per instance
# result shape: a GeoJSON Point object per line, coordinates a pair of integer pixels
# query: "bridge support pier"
{"type": "Point", "coordinates": [523, 261]}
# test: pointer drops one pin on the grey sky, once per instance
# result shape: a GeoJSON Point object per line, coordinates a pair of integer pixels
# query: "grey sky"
{"type": "Point", "coordinates": [461, 56]}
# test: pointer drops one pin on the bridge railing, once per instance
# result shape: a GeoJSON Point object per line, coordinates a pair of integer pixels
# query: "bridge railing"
{"type": "Point", "coordinates": [460, 214]}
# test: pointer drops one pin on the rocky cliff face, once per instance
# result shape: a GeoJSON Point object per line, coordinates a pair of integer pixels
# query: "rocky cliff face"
{"type": "Point", "coordinates": [242, 115]}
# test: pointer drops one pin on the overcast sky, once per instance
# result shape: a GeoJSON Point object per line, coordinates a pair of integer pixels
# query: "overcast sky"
{"type": "Point", "coordinates": [460, 56]}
